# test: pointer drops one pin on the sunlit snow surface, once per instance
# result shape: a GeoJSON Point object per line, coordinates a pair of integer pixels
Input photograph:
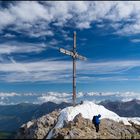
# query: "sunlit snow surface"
{"type": "Point", "coordinates": [88, 110]}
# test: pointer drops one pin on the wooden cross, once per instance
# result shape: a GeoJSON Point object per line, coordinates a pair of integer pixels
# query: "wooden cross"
{"type": "Point", "coordinates": [74, 56]}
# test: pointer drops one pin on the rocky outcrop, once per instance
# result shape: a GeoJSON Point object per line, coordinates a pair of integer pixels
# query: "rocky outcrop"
{"type": "Point", "coordinates": [39, 128]}
{"type": "Point", "coordinates": [79, 128]}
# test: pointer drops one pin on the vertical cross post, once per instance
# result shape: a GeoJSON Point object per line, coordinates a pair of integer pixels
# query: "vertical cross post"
{"type": "Point", "coordinates": [74, 56]}
{"type": "Point", "coordinates": [74, 69]}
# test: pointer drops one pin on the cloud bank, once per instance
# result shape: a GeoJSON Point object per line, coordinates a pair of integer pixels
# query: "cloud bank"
{"type": "Point", "coordinates": [58, 71]}
{"type": "Point", "coordinates": [15, 47]}
{"type": "Point", "coordinates": [33, 17]}
{"type": "Point", "coordinates": [41, 18]}
{"type": "Point", "coordinates": [58, 97]}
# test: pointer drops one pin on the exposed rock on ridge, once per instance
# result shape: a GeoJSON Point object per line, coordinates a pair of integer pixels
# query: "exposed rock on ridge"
{"type": "Point", "coordinates": [79, 128]}
{"type": "Point", "coordinates": [39, 128]}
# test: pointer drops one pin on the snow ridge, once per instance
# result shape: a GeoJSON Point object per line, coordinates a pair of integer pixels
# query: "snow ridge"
{"type": "Point", "coordinates": [88, 110]}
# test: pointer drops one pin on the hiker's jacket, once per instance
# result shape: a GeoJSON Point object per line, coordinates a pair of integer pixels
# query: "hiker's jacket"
{"type": "Point", "coordinates": [96, 119]}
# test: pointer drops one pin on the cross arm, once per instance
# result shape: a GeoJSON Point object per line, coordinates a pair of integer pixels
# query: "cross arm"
{"type": "Point", "coordinates": [75, 55]}
{"type": "Point", "coordinates": [81, 57]}
{"type": "Point", "coordinates": [66, 52]}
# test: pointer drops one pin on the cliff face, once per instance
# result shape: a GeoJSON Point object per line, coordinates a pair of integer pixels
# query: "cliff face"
{"type": "Point", "coordinates": [79, 128]}
{"type": "Point", "coordinates": [38, 128]}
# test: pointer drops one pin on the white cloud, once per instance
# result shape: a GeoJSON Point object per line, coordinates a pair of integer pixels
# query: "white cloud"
{"type": "Point", "coordinates": [8, 35]}
{"type": "Point", "coordinates": [41, 33]}
{"type": "Point", "coordinates": [6, 18]}
{"type": "Point", "coordinates": [55, 97]}
{"type": "Point", "coordinates": [26, 11]}
{"type": "Point", "coordinates": [128, 96]}
{"type": "Point", "coordinates": [130, 29]}
{"type": "Point", "coordinates": [33, 15]}
{"type": "Point", "coordinates": [15, 47]}
{"type": "Point", "coordinates": [2, 94]}
{"type": "Point", "coordinates": [58, 71]}
{"type": "Point", "coordinates": [58, 97]}
{"type": "Point", "coordinates": [100, 25]}
{"type": "Point", "coordinates": [54, 42]}
{"type": "Point", "coordinates": [83, 25]}
{"type": "Point", "coordinates": [24, 16]}
{"type": "Point", "coordinates": [107, 67]}
{"type": "Point", "coordinates": [135, 40]}
{"type": "Point", "coordinates": [38, 66]}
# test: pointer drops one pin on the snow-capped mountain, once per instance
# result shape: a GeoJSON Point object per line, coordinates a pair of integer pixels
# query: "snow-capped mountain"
{"type": "Point", "coordinates": [87, 111]}
{"type": "Point", "coordinates": [124, 109]}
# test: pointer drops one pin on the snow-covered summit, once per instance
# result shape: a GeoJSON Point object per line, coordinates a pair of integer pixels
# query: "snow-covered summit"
{"type": "Point", "coordinates": [79, 125]}
{"type": "Point", "coordinates": [88, 110]}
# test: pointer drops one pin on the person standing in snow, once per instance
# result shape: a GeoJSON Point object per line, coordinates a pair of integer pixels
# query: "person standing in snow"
{"type": "Point", "coordinates": [96, 122]}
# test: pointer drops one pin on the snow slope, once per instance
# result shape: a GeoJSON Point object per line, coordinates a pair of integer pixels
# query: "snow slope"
{"type": "Point", "coordinates": [88, 110]}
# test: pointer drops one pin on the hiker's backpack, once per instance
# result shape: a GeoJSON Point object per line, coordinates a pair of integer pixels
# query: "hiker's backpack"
{"type": "Point", "coordinates": [95, 120]}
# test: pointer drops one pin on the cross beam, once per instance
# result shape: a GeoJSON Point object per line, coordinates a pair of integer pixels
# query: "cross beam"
{"type": "Point", "coordinates": [74, 56]}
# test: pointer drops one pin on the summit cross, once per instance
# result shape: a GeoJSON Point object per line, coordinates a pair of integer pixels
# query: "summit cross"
{"type": "Point", "coordinates": [74, 56]}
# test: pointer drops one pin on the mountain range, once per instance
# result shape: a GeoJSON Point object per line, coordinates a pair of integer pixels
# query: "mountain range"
{"type": "Point", "coordinates": [123, 109]}
{"type": "Point", "coordinates": [13, 116]}
{"type": "Point", "coordinates": [76, 123]}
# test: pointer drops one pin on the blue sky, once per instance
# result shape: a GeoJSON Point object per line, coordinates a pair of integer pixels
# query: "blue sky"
{"type": "Point", "coordinates": [108, 34]}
